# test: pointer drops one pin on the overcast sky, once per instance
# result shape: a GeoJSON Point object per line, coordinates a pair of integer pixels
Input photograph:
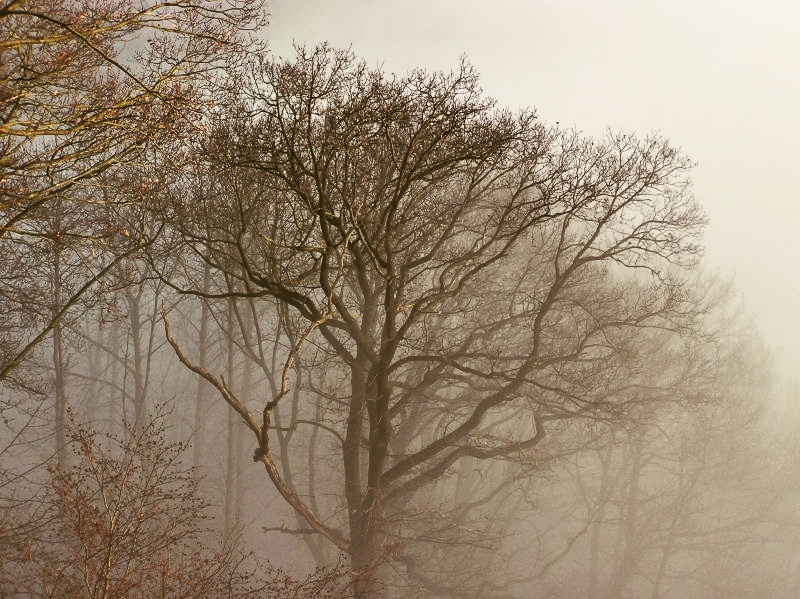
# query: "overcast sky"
{"type": "Point", "coordinates": [720, 79]}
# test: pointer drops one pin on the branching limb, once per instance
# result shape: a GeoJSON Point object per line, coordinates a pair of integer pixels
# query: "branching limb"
{"type": "Point", "coordinates": [436, 471]}
{"type": "Point", "coordinates": [287, 530]}
{"type": "Point", "coordinates": [220, 384]}
{"type": "Point", "coordinates": [77, 296]}
{"type": "Point", "coordinates": [261, 431]}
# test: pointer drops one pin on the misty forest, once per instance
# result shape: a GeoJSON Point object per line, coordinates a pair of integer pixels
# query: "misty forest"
{"type": "Point", "coordinates": [300, 327]}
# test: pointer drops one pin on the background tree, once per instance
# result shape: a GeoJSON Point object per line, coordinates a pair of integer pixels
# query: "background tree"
{"type": "Point", "coordinates": [90, 93]}
{"type": "Point", "coordinates": [86, 88]}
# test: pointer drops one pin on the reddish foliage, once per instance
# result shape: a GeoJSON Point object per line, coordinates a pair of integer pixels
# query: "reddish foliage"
{"type": "Point", "coordinates": [124, 520]}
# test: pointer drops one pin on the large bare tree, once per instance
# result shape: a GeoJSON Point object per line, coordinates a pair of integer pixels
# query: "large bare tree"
{"type": "Point", "coordinates": [461, 278]}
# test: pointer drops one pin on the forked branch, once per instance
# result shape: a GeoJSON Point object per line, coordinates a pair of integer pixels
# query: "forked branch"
{"type": "Point", "coordinates": [262, 454]}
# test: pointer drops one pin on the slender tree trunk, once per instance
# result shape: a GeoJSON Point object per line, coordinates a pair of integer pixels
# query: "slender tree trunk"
{"type": "Point", "coordinates": [628, 558]}
{"type": "Point", "coordinates": [313, 542]}
{"type": "Point", "coordinates": [230, 467]}
{"type": "Point", "coordinates": [59, 367]}
{"type": "Point", "coordinates": [60, 395]}
{"type": "Point", "coordinates": [683, 490]}
{"type": "Point", "coordinates": [604, 495]}
{"type": "Point", "coordinates": [201, 398]}
{"type": "Point", "coordinates": [112, 337]}
{"type": "Point", "coordinates": [239, 445]}
{"type": "Point", "coordinates": [135, 323]}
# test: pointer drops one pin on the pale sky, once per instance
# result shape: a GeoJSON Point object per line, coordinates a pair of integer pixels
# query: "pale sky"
{"type": "Point", "coordinates": [720, 79]}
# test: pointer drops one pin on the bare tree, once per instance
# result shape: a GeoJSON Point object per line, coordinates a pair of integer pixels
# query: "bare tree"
{"type": "Point", "coordinates": [91, 92]}
{"type": "Point", "coordinates": [475, 274]}
{"type": "Point", "coordinates": [125, 520]}
{"type": "Point", "coordinates": [87, 89]}
{"type": "Point", "coordinates": [677, 504]}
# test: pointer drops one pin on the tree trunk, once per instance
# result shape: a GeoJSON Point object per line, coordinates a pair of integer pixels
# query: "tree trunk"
{"type": "Point", "coordinates": [60, 395]}
{"type": "Point", "coordinates": [135, 323]}
{"type": "Point", "coordinates": [628, 557]}
{"type": "Point", "coordinates": [362, 535]}
{"type": "Point", "coordinates": [59, 367]}
{"type": "Point", "coordinates": [231, 465]}
{"type": "Point", "coordinates": [202, 389]}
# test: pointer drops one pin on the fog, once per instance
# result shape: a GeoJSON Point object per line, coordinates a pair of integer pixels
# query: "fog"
{"type": "Point", "coordinates": [399, 300]}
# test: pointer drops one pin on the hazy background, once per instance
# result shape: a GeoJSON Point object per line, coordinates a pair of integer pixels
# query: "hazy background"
{"type": "Point", "coordinates": [718, 78]}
